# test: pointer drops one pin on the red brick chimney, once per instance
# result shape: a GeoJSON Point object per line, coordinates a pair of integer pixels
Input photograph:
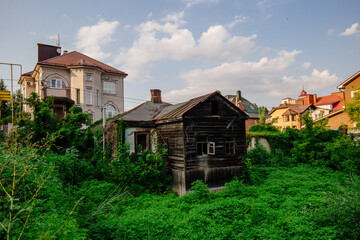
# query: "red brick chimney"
{"type": "Point", "coordinates": [155, 95]}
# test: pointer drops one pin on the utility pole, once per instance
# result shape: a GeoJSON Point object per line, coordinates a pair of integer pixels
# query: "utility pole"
{"type": "Point", "coordinates": [104, 127]}
{"type": "Point", "coordinates": [12, 91]}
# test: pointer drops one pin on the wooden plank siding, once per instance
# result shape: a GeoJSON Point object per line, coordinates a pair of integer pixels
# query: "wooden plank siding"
{"type": "Point", "coordinates": [219, 168]}
{"type": "Point", "coordinates": [172, 134]}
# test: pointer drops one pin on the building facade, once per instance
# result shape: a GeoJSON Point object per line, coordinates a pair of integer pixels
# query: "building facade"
{"type": "Point", "coordinates": [75, 79]}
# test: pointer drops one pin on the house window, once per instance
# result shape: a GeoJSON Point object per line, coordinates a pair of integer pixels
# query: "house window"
{"type": "Point", "coordinates": [77, 96]}
{"type": "Point", "coordinates": [211, 148]}
{"type": "Point", "coordinates": [57, 83]}
{"type": "Point", "coordinates": [110, 111]}
{"type": "Point", "coordinates": [229, 145]}
{"type": "Point", "coordinates": [287, 118]}
{"type": "Point", "coordinates": [109, 87]}
{"type": "Point", "coordinates": [88, 77]}
{"type": "Point", "coordinates": [97, 98]}
{"type": "Point", "coordinates": [354, 93]}
{"type": "Point", "coordinates": [142, 141]}
{"type": "Point", "coordinates": [214, 108]}
{"type": "Point", "coordinates": [204, 147]}
{"type": "Point", "coordinates": [88, 96]}
{"type": "Point", "coordinates": [292, 117]}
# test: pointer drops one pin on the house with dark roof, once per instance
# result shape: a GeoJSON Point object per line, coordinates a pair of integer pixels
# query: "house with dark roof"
{"type": "Point", "coordinates": [205, 137]}
{"type": "Point", "coordinates": [75, 79]}
{"type": "Point", "coordinates": [250, 108]}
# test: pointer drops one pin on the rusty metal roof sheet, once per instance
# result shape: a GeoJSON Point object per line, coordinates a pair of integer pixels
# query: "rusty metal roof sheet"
{"type": "Point", "coordinates": [177, 111]}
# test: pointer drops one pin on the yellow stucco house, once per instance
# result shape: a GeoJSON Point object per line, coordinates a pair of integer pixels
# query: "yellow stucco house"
{"type": "Point", "coordinates": [288, 115]}
{"type": "Point", "coordinates": [75, 79]}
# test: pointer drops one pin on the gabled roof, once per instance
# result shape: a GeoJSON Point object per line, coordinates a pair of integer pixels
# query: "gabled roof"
{"type": "Point", "coordinates": [333, 100]}
{"type": "Point", "coordinates": [349, 80]}
{"type": "Point", "coordinates": [76, 59]}
{"type": "Point", "coordinates": [245, 105]}
{"type": "Point", "coordinates": [295, 108]}
{"type": "Point", "coordinates": [160, 112]}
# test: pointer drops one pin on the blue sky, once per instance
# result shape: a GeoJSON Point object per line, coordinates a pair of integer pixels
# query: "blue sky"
{"type": "Point", "coordinates": [268, 49]}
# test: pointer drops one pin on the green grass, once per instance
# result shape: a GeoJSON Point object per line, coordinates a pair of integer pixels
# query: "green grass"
{"type": "Point", "coordinates": [283, 206]}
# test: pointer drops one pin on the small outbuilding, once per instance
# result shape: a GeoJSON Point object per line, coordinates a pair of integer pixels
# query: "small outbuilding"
{"type": "Point", "coordinates": [205, 136]}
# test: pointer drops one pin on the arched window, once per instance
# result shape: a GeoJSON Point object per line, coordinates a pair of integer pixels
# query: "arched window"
{"type": "Point", "coordinates": [110, 111]}
{"type": "Point", "coordinates": [57, 83]}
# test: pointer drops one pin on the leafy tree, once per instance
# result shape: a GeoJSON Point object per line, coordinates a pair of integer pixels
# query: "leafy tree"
{"type": "Point", "coordinates": [353, 109]}
{"type": "Point", "coordinates": [43, 122]}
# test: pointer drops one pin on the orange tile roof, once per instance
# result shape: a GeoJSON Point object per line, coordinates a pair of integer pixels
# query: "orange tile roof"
{"type": "Point", "coordinates": [333, 100]}
{"type": "Point", "coordinates": [74, 59]}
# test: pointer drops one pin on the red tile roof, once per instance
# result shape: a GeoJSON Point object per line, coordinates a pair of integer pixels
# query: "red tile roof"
{"type": "Point", "coordinates": [74, 59]}
{"type": "Point", "coordinates": [333, 100]}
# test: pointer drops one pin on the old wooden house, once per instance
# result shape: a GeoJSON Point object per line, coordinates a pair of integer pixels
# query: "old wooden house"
{"type": "Point", "coordinates": [205, 137]}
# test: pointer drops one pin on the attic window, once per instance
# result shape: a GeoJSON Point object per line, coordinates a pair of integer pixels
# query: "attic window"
{"type": "Point", "coordinates": [214, 107]}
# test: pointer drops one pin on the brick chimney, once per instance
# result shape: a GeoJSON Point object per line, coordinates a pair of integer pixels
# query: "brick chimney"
{"type": "Point", "coordinates": [47, 51]}
{"type": "Point", "coordinates": [155, 95]}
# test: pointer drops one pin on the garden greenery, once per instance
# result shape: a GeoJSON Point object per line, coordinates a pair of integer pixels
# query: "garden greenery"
{"type": "Point", "coordinates": [56, 184]}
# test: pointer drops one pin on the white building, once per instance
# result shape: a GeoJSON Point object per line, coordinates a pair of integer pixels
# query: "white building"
{"type": "Point", "coordinates": [75, 79]}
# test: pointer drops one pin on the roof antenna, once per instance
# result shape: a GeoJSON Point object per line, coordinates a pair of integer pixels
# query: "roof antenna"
{"type": "Point", "coordinates": [58, 40]}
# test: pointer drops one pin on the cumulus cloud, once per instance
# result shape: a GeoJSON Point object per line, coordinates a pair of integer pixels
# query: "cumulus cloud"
{"type": "Point", "coordinates": [260, 77]}
{"type": "Point", "coordinates": [168, 40]}
{"type": "Point", "coordinates": [306, 65]}
{"type": "Point", "coordinates": [316, 81]}
{"type": "Point", "coordinates": [175, 18]}
{"type": "Point", "coordinates": [351, 30]}
{"type": "Point", "coordinates": [90, 39]}
{"type": "Point", "coordinates": [190, 3]}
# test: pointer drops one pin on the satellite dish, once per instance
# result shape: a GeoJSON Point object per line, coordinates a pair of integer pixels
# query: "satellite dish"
{"type": "Point", "coordinates": [58, 50]}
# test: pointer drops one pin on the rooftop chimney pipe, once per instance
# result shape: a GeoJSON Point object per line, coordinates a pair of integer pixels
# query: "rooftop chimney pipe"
{"type": "Point", "coordinates": [155, 95]}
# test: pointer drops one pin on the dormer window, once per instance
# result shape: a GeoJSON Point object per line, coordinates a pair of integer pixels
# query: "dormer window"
{"type": "Point", "coordinates": [57, 83]}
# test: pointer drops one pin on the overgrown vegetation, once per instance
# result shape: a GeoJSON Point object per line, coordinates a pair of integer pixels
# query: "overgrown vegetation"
{"type": "Point", "coordinates": [56, 183]}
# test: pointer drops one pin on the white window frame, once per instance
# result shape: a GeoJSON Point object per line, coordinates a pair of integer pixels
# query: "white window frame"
{"type": "Point", "coordinates": [88, 96]}
{"type": "Point", "coordinates": [211, 148]}
{"type": "Point", "coordinates": [107, 111]}
{"type": "Point", "coordinates": [57, 83]}
{"type": "Point", "coordinates": [109, 87]}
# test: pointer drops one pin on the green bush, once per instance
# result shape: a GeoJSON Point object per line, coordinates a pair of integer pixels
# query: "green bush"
{"type": "Point", "coordinates": [143, 172]}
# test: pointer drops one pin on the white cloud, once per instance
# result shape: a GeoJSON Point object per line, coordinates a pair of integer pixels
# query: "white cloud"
{"type": "Point", "coordinates": [306, 65]}
{"type": "Point", "coordinates": [237, 19]}
{"type": "Point", "coordinates": [169, 41]}
{"type": "Point", "coordinates": [190, 3]}
{"type": "Point", "coordinates": [175, 18]}
{"type": "Point", "coordinates": [90, 39]}
{"type": "Point", "coordinates": [316, 81]}
{"type": "Point", "coordinates": [251, 77]}
{"type": "Point", "coordinates": [263, 4]}
{"type": "Point", "coordinates": [351, 30]}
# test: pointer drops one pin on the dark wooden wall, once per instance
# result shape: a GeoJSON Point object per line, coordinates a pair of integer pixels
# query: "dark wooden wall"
{"type": "Point", "coordinates": [172, 134]}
